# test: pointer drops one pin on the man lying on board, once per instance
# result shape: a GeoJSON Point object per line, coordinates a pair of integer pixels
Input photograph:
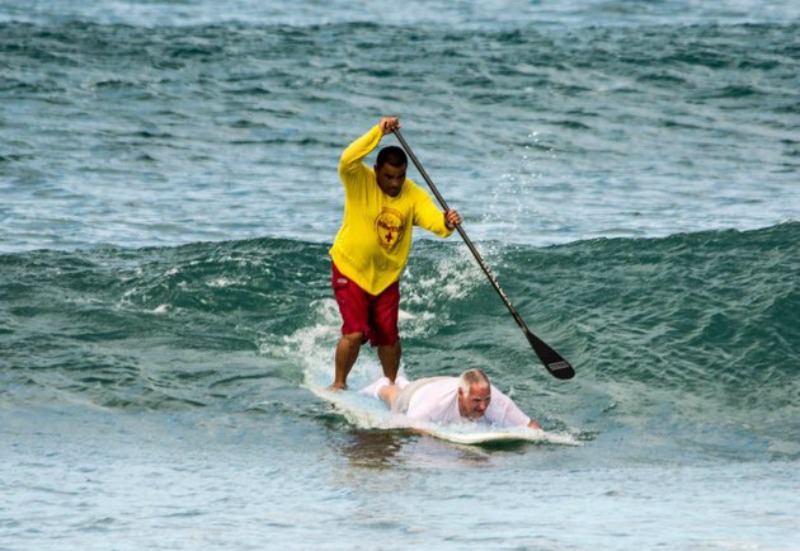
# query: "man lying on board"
{"type": "Point", "coordinates": [445, 400]}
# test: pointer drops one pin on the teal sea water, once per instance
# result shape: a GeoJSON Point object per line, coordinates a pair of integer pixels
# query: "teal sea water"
{"type": "Point", "coordinates": [630, 171]}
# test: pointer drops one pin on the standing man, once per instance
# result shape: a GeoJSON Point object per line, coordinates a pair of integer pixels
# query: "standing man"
{"type": "Point", "coordinates": [371, 249]}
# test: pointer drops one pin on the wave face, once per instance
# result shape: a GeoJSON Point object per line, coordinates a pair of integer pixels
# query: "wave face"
{"type": "Point", "coordinates": [692, 336]}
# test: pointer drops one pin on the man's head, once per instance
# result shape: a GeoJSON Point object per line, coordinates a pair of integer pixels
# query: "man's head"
{"type": "Point", "coordinates": [390, 170]}
{"type": "Point", "coordinates": [474, 394]}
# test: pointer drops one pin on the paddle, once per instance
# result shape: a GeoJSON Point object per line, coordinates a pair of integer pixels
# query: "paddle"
{"type": "Point", "coordinates": [552, 360]}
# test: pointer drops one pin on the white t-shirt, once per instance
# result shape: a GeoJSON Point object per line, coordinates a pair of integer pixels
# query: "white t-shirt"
{"type": "Point", "coordinates": [437, 402]}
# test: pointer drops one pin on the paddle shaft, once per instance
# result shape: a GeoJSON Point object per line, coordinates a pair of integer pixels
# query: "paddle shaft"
{"type": "Point", "coordinates": [554, 363]}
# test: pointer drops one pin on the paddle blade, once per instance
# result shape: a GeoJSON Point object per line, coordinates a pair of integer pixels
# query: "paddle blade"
{"type": "Point", "coordinates": [552, 360]}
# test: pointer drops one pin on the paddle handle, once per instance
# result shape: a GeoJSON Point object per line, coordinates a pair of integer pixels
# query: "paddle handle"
{"type": "Point", "coordinates": [555, 364]}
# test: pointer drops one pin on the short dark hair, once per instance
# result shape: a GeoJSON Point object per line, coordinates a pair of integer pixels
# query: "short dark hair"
{"type": "Point", "coordinates": [393, 155]}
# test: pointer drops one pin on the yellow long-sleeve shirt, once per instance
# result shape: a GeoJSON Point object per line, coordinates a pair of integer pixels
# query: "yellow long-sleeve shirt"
{"type": "Point", "coordinates": [373, 243]}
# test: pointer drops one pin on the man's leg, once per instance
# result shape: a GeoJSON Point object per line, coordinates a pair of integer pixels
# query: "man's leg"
{"type": "Point", "coordinates": [385, 334]}
{"type": "Point", "coordinates": [389, 394]}
{"type": "Point", "coordinates": [354, 307]}
{"type": "Point", "coordinates": [389, 355]}
{"type": "Point", "coordinates": [346, 356]}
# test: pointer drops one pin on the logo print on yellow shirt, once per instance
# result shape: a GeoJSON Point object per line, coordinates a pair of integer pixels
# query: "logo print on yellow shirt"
{"type": "Point", "coordinates": [390, 226]}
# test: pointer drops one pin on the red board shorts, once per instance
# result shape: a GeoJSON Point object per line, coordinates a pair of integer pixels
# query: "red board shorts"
{"type": "Point", "coordinates": [373, 315]}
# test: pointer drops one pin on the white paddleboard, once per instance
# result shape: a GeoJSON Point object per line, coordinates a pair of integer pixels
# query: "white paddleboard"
{"type": "Point", "coordinates": [479, 436]}
{"type": "Point", "coordinates": [361, 410]}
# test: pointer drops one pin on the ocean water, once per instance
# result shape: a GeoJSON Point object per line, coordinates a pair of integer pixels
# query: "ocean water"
{"type": "Point", "coordinates": [630, 171]}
